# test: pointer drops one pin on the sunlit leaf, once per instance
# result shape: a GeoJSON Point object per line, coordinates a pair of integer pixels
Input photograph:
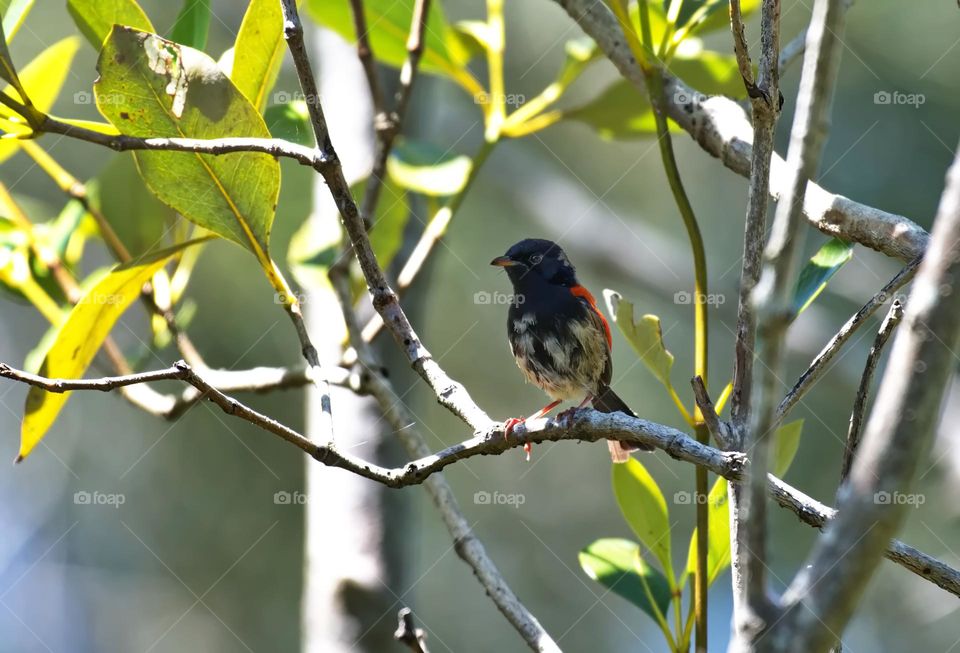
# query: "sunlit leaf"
{"type": "Point", "coordinates": [80, 337]}
{"type": "Point", "coordinates": [644, 508]}
{"type": "Point", "coordinates": [819, 270]}
{"type": "Point", "coordinates": [717, 15]}
{"type": "Point", "coordinates": [617, 565]}
{"type": "Point", "coordinates": [192, 24]}
{"type": "Point", "coordinates": [645, 336]}
{"type": "Point", "coordinates": [95, 18]}
{"type": "Point", "coordinates": [258, 51]}
{"type": "Point", "coordinates": [786, 442]}
{"type": "Point", "coordinates": [149, 86]}
{"type": "Point", "coordinates": [314, 248]}
{"type": "Point", "coordinates": [718, 534]}
{"type": "Point", "coordinates": [291, 122]}
{"type": "Point", "coordinates": [474, 37]}
{"type": "Point", "coordinates": [42, 79]}
{"type": "Point", "coordinates": [14, 13]}
{"type": "Point", "coordinates": [424, 168]}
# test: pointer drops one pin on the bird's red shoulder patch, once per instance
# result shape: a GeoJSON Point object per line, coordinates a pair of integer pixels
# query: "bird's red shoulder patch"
{"type": "Point", "coordinates": [583, 293]}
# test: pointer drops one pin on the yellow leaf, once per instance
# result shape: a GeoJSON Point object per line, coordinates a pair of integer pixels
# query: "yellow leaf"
{"type": "Point", "coordinates": [645, 336]}
{"type": "Point", "coordinates": [80, 338]}
{"type": "Point", "coordinates": [42, 79]}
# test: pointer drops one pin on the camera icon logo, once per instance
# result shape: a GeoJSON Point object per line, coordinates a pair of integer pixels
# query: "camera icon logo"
{"type": "Point", "coordinates": [482, 498]}
{"type": "Point", "coordinates": [83, 97]}
{"type": "Point", "coordinates": [82, 498]}
{"type": "Point", "coordinates": [682, 297]}
{"type": "Point", "coordinates": [282, 498]}
{"type": "Point", "coordinates": [882, 97]}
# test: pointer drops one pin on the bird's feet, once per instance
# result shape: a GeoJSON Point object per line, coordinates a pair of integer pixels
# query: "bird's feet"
{"type": "Point", "coordinates": [510, 424]}
{"type": "Point", "coordinates": [565, 418]}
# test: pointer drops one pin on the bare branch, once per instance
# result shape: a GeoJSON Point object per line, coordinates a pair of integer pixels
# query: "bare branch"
{"type": "Point", "coordinates": [407, 632]}
{"type": "Point", "coordinates": [823, 596]}
{"type": "Point", "coordinates": [720, 126]}
{"type": "Point", "coordinates": [818, 366]}
{"type": "Point", "coordinates": [719, 429]}
{"type": "Point", "coordinates": [890, 322]}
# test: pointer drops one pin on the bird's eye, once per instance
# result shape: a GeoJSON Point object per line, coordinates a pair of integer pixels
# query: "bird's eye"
{"type": "Point", "coordinates": [536, 258]}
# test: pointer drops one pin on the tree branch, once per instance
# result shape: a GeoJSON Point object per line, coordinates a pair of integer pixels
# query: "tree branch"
{"type": "Point", "coordinates": [890, 322]}
{"type": "Point", "coordinates": [823, 596]}
{"type": "Point", "coordinates": [720, 126]}
{"type": "Point", "coordinates": [818, 366]}
{"type": "Point", "coordinates": [588, 426]}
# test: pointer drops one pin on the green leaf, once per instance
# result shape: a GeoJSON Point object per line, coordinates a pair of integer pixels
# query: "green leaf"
{"type": "Point", "coordinates": [388, 22]}
{"type": "Point", "coordinates": [645, 336]}
{"type": "Point", "coordinates": [42, 79]}
{"type": "Point", "coordinates": [620, 112]}
{"type": "Point", "coordinates": [314, 248]}
{"type": "Point", "coordinates": [709, 72]}
{"type": "Point", "coordinates": [819, 270]}
{"type": "Point", "coordinates": [14, 13]}
{"type": "Point", "coordinates": [427, 169]}
{"type": "Point", "coordinates": [95, 18]}
{"type": "Point", "coordinates": [474, 37]}
{"type": "Point", "coordinates": [644, 508]}
{"type": "Point", "coordinates": [786, 442]}
{"type": "Point", "coordinates": [149, 86]}
{"type": "Point", "coordinates": [141, 221]}
{"type": "Point", "coordinates": [258, 51]}
{"type": "Point", "coordinates": [291, 122]}
{"type": "Point", "coordinates": [718, 535]}
{"type": "Point", "coordinates": [617, 565]}
{"type": "Point", "coordinates": [717, 16]}
{"type": "Point", "coordinates": [193, 24]}
{"type": "Point", "coordinates": [80, 338]}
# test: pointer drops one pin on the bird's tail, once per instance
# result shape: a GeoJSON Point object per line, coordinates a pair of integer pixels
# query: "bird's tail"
{"type": "Point", "coordinates": [607, 401]}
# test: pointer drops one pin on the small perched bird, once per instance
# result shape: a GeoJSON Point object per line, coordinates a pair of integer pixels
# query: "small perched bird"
{"type": "Point", "coordinates": [558, 336]}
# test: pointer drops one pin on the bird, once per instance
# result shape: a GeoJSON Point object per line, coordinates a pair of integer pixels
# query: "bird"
{"type": "Point", "coordinates": [558, 336]}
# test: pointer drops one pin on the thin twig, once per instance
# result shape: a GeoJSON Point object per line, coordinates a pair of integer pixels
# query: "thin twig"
{"type": "Point", "coordinates": [818, 366]}
{"type": "Point", "coordinates": [450, 393]}
{"type": "Point", "coordinates": [407, 632]}
{"type": "Point", "coordinates": [890, 322]}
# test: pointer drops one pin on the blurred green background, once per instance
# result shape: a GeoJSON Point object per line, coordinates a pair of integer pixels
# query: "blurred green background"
{"type": "Point", "coordinates": [200, 558]}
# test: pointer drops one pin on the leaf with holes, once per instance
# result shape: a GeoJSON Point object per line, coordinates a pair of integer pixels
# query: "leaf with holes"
{"type": "Point", "coordinates": [150, 86]}
{"type": "Point", "coordinates": [80, 337]}
{"type": "Point", "coordinates": [644, 508]}
{"type": "Point", "coordinates": [617, 565]}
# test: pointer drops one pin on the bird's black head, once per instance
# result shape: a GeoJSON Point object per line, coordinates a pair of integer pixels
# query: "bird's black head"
{"type": "Point", "coordinates": [535, 260]}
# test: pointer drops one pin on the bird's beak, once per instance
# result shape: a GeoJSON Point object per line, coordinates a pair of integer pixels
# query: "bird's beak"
{"type": "Point", "coordinates": [503, 261]}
